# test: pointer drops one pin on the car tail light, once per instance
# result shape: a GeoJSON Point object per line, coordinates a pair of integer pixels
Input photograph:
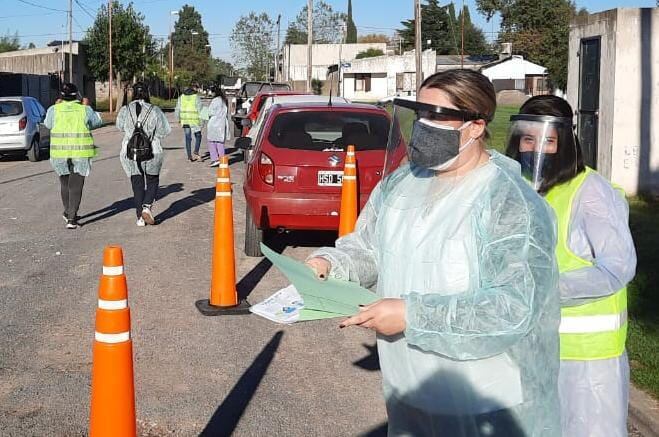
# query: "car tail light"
{"type": "Point", "coordinates": [22, 123]}
{"type": "Point", "coordinates": [267, 169]}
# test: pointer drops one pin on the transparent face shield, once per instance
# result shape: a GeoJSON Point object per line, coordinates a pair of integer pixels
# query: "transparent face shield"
{"type": "Point", "coordinates": [426, 136]}
{"type": "Point", "coordinates": [533, 141]}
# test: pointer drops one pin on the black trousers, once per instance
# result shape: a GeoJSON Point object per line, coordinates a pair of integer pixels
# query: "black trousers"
{"type": "Point", "coordinates": [145, 189]}
{"type": "Point", "coordinates": [71, 189]}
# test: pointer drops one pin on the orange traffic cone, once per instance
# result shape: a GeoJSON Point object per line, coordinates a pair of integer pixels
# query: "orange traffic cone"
{"type": "Point", "coordinates": [348, 213]}
{"type": "Point", "coordinates": [113, 395]}
{"type": "Point", "coordinates": [223, 293]}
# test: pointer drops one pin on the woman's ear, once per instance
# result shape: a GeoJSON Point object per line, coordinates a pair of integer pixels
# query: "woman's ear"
{"type": "Point", "coordinates": [477, 129]}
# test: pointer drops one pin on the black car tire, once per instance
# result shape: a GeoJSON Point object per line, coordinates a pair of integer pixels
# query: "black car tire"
{"type": "Point", "coordinates": [34, 152]}
{"type": "Point", "coordinates": [253, 236]}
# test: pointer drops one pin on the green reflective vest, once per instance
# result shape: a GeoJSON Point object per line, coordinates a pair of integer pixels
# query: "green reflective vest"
{"type": "Point", "coordinates": [70, 137]}
{"type": "Point", "coordinates": [188, 112]}
{"type": "Point", "coordinates": [595, 330]}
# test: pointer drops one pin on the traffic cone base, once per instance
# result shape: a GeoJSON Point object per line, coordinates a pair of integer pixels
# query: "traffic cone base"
{"type": "Point", "coordinates": [204, 306]}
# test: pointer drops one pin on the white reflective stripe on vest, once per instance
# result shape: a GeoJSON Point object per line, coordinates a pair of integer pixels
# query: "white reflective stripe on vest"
{"type": "Point", "coordinates": [592, 324]}
{"type": "Point", "coordinates": [112, 338]}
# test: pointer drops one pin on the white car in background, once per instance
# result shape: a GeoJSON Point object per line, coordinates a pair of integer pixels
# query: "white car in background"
{"type": "Point", "coordinates": [21, 127]}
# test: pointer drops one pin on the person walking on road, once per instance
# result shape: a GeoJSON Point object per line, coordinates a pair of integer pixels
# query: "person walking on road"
{"type": "Point", "coordinates": [71, 147]}
{"type": "Point", "coordinates": [188, 112]}
{"type": "Point", "coordinates": [218, 131]}
{"type": "Point", "coordinates": [462, 252]}
{"type": "Point", "coordinates": [596, 260]}
{"type": "Point", "coordinates": [142, 166]}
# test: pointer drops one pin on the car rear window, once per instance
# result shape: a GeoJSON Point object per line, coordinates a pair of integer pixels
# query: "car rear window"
{"type": "Point", "coordinates": [10, 107]}
{"type": "Point", "coordinates": [315, 130]}
{"type": "Point", "coordinates": [252, 88]}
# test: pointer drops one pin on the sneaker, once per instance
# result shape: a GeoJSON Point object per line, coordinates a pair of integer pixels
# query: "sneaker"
{"type": "Point", "coordinates": [196, 157]}
{"type": "Point", "coordinates": [66, 219]}
{"type": "Point", "coordinates": [71, 224]}
{"type": "Point", "coordinates": [140, 222]}
{"type": "Point", "coordinates": [147, 215]}
{"type": "Point", "coordinates": [215, 164]}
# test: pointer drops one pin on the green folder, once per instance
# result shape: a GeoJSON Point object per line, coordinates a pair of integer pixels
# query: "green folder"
{"type": "Point", "coordinates": [322, 299]}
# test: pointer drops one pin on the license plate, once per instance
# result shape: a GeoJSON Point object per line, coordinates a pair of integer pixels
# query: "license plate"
{"type": "Point", "coordinates": [330, 178]}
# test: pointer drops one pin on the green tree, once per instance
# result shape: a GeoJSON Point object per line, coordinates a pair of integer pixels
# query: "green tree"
{"type": "Point", "coordinates": [252, 41]}
{"type": "Point", "coordinates": [436, 26]}
{"type": "Point", "coordinates": [370, 53]}
{"type": "Point", "coordinates": [132, 44]}
{"type": "Point", "coordinates": [538, 30]}
{"type": "Point", "coordinates": [191, 50]}
{"type": "Point", "coordinates": [351, 29]}
{"type": "Point", "coordinates": [474, 38]}
{"type": "Point", "coordinates": [327, 25]}
{"type": "Point", "coordinates": [374, 38]}
{"type": "Point", "coordinates": [9, 43]}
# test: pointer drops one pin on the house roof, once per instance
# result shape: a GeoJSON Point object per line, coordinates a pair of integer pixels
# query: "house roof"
{"type": "Point", "coordinates": [513, 67]}
{"type": "Point", "coordinates": [468, 59]}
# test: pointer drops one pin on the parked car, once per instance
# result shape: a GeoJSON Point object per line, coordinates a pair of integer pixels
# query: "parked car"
{"type": "Point", "coordinates": [21, 127]}
{"type": "Point", "coordinates": [257, 105]}
{"type": "Point", "coordinates": [294, 174]}
{"type": "Point", "coordinates": [245, 97]}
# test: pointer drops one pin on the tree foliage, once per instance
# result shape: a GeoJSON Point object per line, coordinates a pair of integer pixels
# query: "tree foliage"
{"type": "Point", "coordinates": [252, 41]}
{"type": "Point", "coordinates": [440, 26]}
{"type": "Point", "coordinates": [190, 40]}
{"type": "Point", "coordinates": [538, 30]}
{"type": "Point", "coordinates": [327, 25]}
{"type": "Point", "coordinates": [370, 53]}
{"type": "Point", "coordinates": [351, 28]}
{"type": "Point", "coordinates": [9, 43]}
{"type": "Point", "coordinates": [132, 43]}
{"type": "Point", "coordinates": [373, 38]}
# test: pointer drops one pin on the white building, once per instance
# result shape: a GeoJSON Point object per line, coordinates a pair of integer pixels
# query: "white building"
{"type": "Point", "coordinates": [372, 79]}
{"type": "Point", "coordinates": [516, 73]}
{"type": "Point", "coordinates": [293, 64]}
{"type": "Point", "coordinates": [613, 86]}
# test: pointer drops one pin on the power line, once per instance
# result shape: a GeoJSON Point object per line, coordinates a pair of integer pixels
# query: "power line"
{"type": "Point", "coordinates": [83, 9]}
{"type": "Point", "coordinates": [42, 7]}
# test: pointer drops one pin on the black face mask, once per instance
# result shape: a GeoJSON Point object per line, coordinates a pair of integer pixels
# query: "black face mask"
{"type": "Point", "coordinates": [430, 146]}
{"type": "Point", "coordinates": [527, 162]}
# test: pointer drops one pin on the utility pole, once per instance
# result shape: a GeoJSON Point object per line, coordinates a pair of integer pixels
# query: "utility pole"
{"type": "Point", "coordinates": [277, 52]}
{"type": "Point", "coordinates": [417, 43]}
{"type": "Point", "coordinates": [71, 41]}
{"type": "Point", "coordinates": [309, 42]}
{"type": "Point", "coordinates": [110, 50]}
{"type": "Point", "coordinates": [171, 52]}
{"type": "Point", "coordinates": [462, 42]}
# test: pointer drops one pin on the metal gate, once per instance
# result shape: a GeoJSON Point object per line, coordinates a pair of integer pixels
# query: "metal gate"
{"type": "Point", "coordinates": [589, 97]}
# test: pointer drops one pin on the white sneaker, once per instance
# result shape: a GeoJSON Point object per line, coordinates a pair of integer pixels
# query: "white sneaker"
{"type": "Point", "coordinates": [215, 164]}
{"type": "Point", "coordinates": [140, 222]}
{"type": "Point", "coordinates": [147, 215]}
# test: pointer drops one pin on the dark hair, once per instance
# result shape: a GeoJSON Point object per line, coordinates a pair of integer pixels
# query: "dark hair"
{"type": "Point", "coordinates": [69, 91]}
{"type": "Point", "coordinates": [141, 92]}
{"type": "Point", "coordinates": [468, 90]}
{"type": "Point", "coordinates": [568, 161]}
{"type": "Point", "coordinates": [217, 91]}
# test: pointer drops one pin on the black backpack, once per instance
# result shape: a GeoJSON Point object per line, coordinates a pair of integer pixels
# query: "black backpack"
{"type": "Point", "coordinates": [139, 146]}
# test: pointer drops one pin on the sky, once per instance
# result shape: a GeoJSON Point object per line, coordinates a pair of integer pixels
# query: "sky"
{"type": "Point", "coordinates": [43, 21]}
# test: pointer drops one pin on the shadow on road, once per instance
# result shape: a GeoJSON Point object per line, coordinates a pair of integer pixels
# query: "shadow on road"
{"type": "Point", "coordinates": [125, 204]}
{"type": "Point", "coordinates": [196, 198]}
{"type": "Point", "coordinates": [228, 414]}
{"type": "Point", "coordinates": [370, 362]}
{"type": "Point", "coordinates": [380, 431]}
{"type": "Point", "coordinates": [249, 282]}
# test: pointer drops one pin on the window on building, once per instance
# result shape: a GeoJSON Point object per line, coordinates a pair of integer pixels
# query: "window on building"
{"type": "Point", "coordinates": [363, 82]}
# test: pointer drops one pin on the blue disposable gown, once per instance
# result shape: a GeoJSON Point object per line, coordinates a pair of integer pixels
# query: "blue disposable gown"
{"type": "Point", "coordinates": [474, 260]}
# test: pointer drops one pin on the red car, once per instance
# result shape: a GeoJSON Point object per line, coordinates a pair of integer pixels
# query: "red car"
{"type": "Point", "coordinates": [293, 177]}
{"type": "Point", "coordinates": [257, 104]}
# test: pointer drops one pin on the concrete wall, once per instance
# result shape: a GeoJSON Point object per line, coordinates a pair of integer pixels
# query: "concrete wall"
{"type": "Point", "coordinates": [628, 152]}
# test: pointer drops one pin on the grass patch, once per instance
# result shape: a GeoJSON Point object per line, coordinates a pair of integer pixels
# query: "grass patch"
{"type": "Point", "coordinates": [643, 334]}
{"type": "Point", "coordinates": [499, 127]}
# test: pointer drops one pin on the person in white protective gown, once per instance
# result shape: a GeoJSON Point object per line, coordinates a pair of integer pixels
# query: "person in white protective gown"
{"type": "Point", "coordinates": [596, 260]}
{"type": "Point", "coordinates": [462, 251]}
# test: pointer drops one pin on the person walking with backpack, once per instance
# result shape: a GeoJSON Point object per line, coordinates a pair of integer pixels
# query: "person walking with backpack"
{"type": "Point", "coordinates": [71, 147]}
{"type": "Point", "coordinates": [141, 156]}
{"type": "Point", "coordinates": [188, 112]}
{"type": "Point", "coordinates": [218, 127]}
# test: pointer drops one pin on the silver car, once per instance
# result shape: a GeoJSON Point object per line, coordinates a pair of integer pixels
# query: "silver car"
{"type": "Point", "coordinates": [21, 127]}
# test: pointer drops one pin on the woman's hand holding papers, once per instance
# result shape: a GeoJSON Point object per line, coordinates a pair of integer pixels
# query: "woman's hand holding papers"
{"type": "Point", "coordinates": [386, 317]}
{"type": "Point", "coordinates": [320, 266]}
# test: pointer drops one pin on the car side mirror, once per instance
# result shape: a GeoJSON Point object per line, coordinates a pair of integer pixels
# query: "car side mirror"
{"type": "Point", "coordinates": [243, 143]}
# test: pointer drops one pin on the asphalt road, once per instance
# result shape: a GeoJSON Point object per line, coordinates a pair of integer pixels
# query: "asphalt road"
{"type": "Point", "coordinates": [192, 373]}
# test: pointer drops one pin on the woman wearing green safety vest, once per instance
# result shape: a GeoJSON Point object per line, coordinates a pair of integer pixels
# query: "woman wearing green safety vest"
{"type": "Point", "coordinates": [71, 147]}
{"type": "Point", "coordinates": [188, 112]}
{"type": "Point", "coordinates": [596, 260]}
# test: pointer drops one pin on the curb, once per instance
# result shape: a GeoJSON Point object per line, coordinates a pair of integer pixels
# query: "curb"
{"type": "Point", "coordinates": [643, 412]}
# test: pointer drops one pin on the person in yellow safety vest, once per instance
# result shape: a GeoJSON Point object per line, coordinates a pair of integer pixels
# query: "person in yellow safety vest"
{"type": "Point", "coordinates": [188, 112]}
{"type": "Point", "coordinates": [71, 147]}
{"type": "Point", "coordinates": [596, 260]}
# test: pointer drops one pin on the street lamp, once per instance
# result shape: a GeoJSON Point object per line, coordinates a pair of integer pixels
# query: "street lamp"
{"type": "Point", "coordinates": [171, 52]}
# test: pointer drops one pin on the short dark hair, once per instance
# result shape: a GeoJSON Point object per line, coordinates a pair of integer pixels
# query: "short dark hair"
{"type": "Point", "coordinates": [141, 92]}
{"type": "Point", "coordinates": [569, 158]}
{"type": "Point", "coordinates": [69, 91]}
{"type": "Point", "coordinates": [468, 90]}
